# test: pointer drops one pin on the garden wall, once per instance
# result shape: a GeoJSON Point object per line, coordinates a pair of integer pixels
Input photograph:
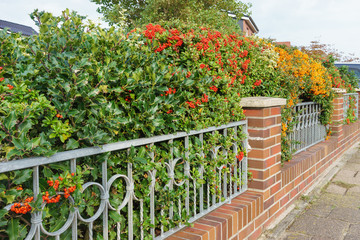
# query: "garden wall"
{"type": "Point", "coordinates": [274, 187]}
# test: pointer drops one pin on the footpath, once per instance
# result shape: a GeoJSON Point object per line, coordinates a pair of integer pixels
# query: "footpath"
{"type": "Point", "coordinates": [329, 211]}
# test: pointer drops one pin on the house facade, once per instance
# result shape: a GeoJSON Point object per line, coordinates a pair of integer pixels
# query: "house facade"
{"type": "Point", "coordinates": [248, 25]}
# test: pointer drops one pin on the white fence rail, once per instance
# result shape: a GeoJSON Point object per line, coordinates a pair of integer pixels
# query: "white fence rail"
{"type": "Point", "coordinates": [308, 129]}
{"type": "Point", "coordinates": [348, 97]}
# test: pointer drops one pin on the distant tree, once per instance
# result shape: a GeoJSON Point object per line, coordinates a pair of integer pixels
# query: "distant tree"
{"type": "Point", "coordinates": [322, 51]}
{"type": "Point", "coordinates": [138, 12]}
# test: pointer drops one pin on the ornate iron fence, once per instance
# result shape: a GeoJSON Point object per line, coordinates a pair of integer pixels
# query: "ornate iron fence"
{"type": "Point", "coordinates": [198, 194]}
{"type": "Point", "coordinates": [307, 130]}
{"type": "Point", "coordinates": [348, 97]}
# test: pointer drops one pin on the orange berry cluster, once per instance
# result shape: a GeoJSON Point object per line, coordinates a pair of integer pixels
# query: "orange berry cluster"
{"type": "Point", "coordinates": [22, 208]}
{"type": "Point", "coordinates": [52, 199]}
{"type": "Point", "coordinates": [240, 156]}
{"type": "Point", "coordinates": [55, 185]}
{"type": "Point", "coordinates": [69, 190]}
{"type": "Point", "coordinates": [52, 184]}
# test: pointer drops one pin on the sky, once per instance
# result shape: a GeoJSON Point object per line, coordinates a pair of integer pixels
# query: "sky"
{"type": "Point", "coordinates": [331, 22]}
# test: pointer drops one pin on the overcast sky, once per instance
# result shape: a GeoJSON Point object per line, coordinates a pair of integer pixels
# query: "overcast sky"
{"type": "Point", "coordinates": [301, 21]}
{"type": "Point", "coordinates": [298, 21]}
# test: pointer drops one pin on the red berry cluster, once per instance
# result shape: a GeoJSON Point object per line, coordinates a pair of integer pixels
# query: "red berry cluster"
{"type": "Point", "coordinates": [52, 184]}
{"type": "Point", "coordinates": [1, 79]}
{"type": "Point", "coordinates": [169, 92]}
{"type": "Point", "coordinates": [198, 102]}
{"type": "Point", "coordinates": [240, 156]}
{"type": "Point", "coordinates": [214, 88]}
{"type": "Point", "coordinates": [257, 83]}
{"type": "Point", "coordinates": [69, 190]}
{"type": "Point", "coordinates": [48, 199]}
{"type": "Point", "coordinates": [22, 208]}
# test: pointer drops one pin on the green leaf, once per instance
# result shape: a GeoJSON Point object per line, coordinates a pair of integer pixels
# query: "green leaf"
{"type": "Point", "coordinates": [14, 152]}
{"type": "Point", "coordinates": [58, 224]}
{"type": "Point", "coordinates": [35, 142]}
{"type": "Point", "coordinates": [123, 120]}
{"type": "Point", "coordinates": [99, 237]}
{"type": "Point", "coordinates": [10, 121]}
{"type": "Point", "coordinates": [63, 137]}
{"type": "Point", "coordinates": [18, 143]}
{"type": "Point", "coordinates": [115, 216]}
{"type": "Point", "coordinates": [47, 172]}
{"type": "Point", "coordinates": [3, 212]}
{"type": "Point", "coordinates": [3, 223]}
{"type": "Point", "coordinates": [22, 176]}
{"type": "Point", "coordinates": [140, 160]}
{"type": "Point", "coordinates": [201, 181]}
{"type": "Point", "coordinates": [3, 176]}
{"type": "Point", "coordinates": [25, 127]}
{"type": "Point", "coordinates": [158, 122]}
{"type": "Point", "coordinates": [163, 88]}
{"type": "Point", "coordinates": [72, 144]}
{"type": "Point", "coordinates": [15, 230]}
{"type": "Point", "coordinates": [189, 82]}
{"type": "Point", "coordinates": [9, 198]}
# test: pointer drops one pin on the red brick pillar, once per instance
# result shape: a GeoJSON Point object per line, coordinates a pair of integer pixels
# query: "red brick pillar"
{"type": "Point", "coordinates": [264, 128]}
{"type": "Point", "coordinates": [337, 119]}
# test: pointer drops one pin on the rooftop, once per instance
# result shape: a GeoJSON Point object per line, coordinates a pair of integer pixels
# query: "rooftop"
{"type": "Point", "coordinates": [17, 28]}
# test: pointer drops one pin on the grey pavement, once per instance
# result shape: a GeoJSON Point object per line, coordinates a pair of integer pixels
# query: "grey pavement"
{"type": "Point", "coordinates": [331, 210]}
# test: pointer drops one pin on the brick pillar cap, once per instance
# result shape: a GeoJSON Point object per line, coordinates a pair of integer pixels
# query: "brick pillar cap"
{"type": "Point", "coordinates": [262, 102]}
{"type": "Point", "coordinates": [357, 89]}
{"type": "Point", "coordinates": [339, 90]}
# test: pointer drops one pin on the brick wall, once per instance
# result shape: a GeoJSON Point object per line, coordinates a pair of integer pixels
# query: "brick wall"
{"type": "Point", "coordinates": [274, 187]}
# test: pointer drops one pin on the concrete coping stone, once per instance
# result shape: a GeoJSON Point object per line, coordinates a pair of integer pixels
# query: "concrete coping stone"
{"type": "Point", "coordinates": [339, 90]}
{"type": "Point", "coordinates": [262, 102]}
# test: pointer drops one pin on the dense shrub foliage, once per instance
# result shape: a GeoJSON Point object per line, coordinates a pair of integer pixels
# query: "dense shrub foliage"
{"type": "Point", "coordinates": [77, 85]}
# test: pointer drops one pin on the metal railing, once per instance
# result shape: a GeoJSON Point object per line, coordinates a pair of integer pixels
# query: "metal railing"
{"type": "Point", "coordinates": [197, 201]}
{"type": "Point", "coordinates": [347, 101]}
{"type": "Point", "coordinates": [308, 129]}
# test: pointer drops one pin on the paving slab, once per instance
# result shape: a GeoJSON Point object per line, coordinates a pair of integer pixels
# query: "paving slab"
{"type": "Point", "coordinates": [332, 188]}
{"type": "Point", "coordinates": [296, 236]}
{"type": "Point", "coordinates": [353, 191]}
{"type": "Point", "coordinates": [355, 159]}
{"type": "Point", "coordinates": [319, 210]}
{"type": "Point", "coordinates": [352, 166]}
{"type": "Point", "coordinates": [351, 215]}
{"type": "Point", "coordinates": [319, 227]}
{"type": "Point", "coordinates": [336, 200]}
{"type": "Point", "coordinates": [344, 179]}
{"type": "Point", "coordinates": [332, 212]}
{"type": "Point", "coordinates": [357, 179]}
{"type": "Point", "coordinates": [346, 173]}
{"type": "Point", "coordinates": [353, 232]}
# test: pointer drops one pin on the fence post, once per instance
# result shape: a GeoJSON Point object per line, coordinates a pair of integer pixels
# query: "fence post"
{"type": "Point", "coordinates": [358, 105]}
{"type": "Point", "coordinates": [264, 159]}
{"type": "Point", "coordinates": [337, 119]}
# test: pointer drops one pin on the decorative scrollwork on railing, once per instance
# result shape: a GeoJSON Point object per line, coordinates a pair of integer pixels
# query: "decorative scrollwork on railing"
{"type": "Point", "coordinates": [204, 171]}
{"type": "Point", "coordinates": [350, 105]}
{"type": "Point", "coordinates": [308, 129]}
